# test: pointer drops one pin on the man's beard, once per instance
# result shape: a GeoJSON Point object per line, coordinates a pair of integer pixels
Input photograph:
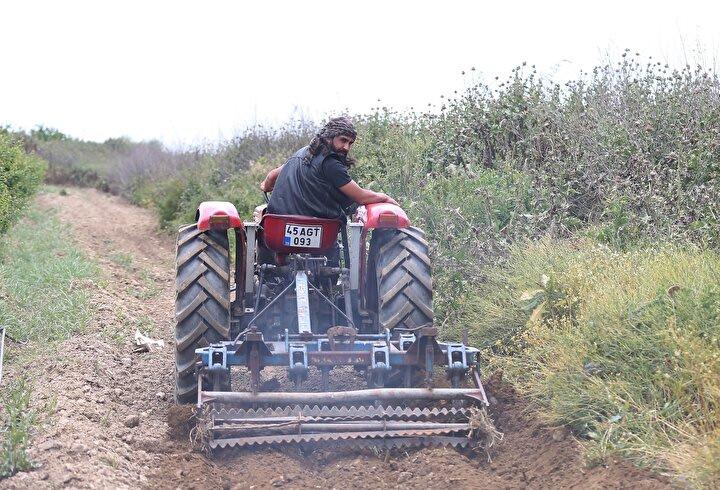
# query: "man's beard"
{"type": "Point", "coordinates": [339, 151]}
{"type": "Point", "coordinates": [346, 159]}
{"type": "Point", "coordinates": [325, 146]}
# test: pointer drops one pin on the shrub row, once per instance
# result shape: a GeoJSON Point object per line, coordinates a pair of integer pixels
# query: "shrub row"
{"type": "Point", "coordinates": [230, 172]}
{"type": "Point", "coordinates": [629, 152]}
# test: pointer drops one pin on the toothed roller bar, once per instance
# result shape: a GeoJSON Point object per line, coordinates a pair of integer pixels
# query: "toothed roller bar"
{"type": "Point", "coordinates": [398, 442]}
{"type": "Point", "coordinates": [404, 442]}
{"type": "Point", "coordinates": [325, 437]}
{"type": "Point", "coordinates": [230, 415]}
{"type": "Point", "coordinates": [339, 397]}
{"type": "Point", "coordinates": [294, 426]}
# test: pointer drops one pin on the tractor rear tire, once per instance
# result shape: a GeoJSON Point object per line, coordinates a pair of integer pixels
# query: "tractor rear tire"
{"type": "Point", "coordinates": [403, 278]}
{"type": "Point", "coordinates": [202, 302]}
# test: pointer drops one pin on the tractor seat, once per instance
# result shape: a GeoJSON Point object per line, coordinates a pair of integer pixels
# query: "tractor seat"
{"type": "Point", "coordinates": [286, 234]}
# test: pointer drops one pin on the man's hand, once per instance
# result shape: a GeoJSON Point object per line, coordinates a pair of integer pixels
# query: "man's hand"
{"type": "Point", "coordinates": [268, 184]}
{"type": "Point", "coordinates": [387, 198]}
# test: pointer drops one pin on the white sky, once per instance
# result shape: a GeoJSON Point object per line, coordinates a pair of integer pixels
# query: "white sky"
{"type": "Point", "coordinates": [186, 72]}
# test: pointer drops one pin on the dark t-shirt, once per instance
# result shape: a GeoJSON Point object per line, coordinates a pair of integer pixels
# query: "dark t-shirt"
{"type": "Point", "coordinates": [311, 188]}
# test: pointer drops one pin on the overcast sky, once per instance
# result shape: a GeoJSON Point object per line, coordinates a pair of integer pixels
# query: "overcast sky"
{"type": "Point", "coordinates": [187, 72]}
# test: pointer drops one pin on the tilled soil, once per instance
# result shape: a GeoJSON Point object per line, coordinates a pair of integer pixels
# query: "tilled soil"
{"type": "Point", "coordinates": [109, 426]}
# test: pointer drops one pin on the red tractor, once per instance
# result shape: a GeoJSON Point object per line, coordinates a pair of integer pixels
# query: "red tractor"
{"type": "Point", "coordinates": [306, 296]}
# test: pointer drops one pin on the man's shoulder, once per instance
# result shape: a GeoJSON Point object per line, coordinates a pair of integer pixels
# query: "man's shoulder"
{"type": "Point", "coordinates": [335, 170]}
{"type": "Point", "coordinates": [301, 152]}
{"type": "Point", "coordinates": [296, 157]}
{"type": "Point", "coordinates": [336, 157]}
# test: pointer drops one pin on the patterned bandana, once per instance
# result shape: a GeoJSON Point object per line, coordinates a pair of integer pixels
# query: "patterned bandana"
{"type": "Point", "coordinates": [338, 126]}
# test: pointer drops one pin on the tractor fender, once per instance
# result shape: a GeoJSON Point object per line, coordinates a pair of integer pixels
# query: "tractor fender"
{"type": "Point", "coordinates": [217, 215]}
{"type": "Point", "coordinates": [383, 215]}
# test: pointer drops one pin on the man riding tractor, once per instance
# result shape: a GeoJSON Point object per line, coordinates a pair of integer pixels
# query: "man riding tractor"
{"type": "Point", "coordinates": [302, 305]}
{"type": "Point", "coordinates": [315, 180]}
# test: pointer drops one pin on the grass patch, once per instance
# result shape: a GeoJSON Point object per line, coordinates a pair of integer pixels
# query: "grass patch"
{"type": "Point", "coordinates": [123, 259]}
{"type": "Point", "coordinates": [18, 420]}
{"type": "Point", "coordinates": [145, 324]}
{"type": "Point", "coordinates": [123, 328]}
{"type": "Point", "coordinates": [149, 288]}
{"type": "Point", "coordinates": [44, 284]}
{"type": "Point", "coordinates": [622, 346]}
{"type": "Point", "coordinates": [44, 279]}
{"type": "Point", "coordinates": [115, 333]}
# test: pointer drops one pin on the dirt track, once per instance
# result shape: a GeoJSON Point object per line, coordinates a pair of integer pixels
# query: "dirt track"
{"type": "Point", "coordinates": [100, 384]}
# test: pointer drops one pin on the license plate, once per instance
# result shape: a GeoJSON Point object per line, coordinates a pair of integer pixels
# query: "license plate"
{"type": "Point", "coordinates": [302, 236]}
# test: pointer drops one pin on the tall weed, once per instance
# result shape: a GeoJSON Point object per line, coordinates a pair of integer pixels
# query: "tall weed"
{"type": "Point", "coordinates": [17, 422]}
{"type": "Point", "coordinates": [634, 144]}
{"type": "Point", "coordinates": [622, 346]}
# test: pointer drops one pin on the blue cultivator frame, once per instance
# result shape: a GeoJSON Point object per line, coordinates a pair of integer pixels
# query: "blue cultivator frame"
{"type": "Point", "coordinates": [379, 355]}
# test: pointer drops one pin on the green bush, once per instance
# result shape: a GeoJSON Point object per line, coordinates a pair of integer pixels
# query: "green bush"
{"type": "Point", "coordinates": [20, 176]}
{"type": "Point", "coordinates": [631, 146]}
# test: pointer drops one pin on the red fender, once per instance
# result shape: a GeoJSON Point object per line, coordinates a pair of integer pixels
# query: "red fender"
{"type": "Point", "coordinates": [217, 215]}
{"type": "Point", "coordinates": [384, 215]}
{"type": "Point", "coordinates": [378, 215]}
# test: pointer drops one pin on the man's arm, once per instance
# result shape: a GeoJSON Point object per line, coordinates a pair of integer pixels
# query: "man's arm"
{"type": "Point", "coordinates": [364, 196]}
{"type": "Point", "coordinates": [268, 184]}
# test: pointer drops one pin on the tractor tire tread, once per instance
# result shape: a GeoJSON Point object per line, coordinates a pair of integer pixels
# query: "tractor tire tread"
{"type": "Point", "coordinates": [403, 278]}
{"type": "Point", "coordinates": [202, 301]}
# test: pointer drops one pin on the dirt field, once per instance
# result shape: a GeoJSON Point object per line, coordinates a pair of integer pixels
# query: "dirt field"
{"type": "Point", "coordinates": [109, 427]}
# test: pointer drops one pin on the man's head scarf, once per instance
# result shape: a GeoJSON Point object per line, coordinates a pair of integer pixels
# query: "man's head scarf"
{"type": "Point", "coordinates": [337, 126]}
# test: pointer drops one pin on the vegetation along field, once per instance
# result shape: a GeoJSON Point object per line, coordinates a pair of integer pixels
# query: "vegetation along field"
{"type": "Point", "coordinates": [574, 232]}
